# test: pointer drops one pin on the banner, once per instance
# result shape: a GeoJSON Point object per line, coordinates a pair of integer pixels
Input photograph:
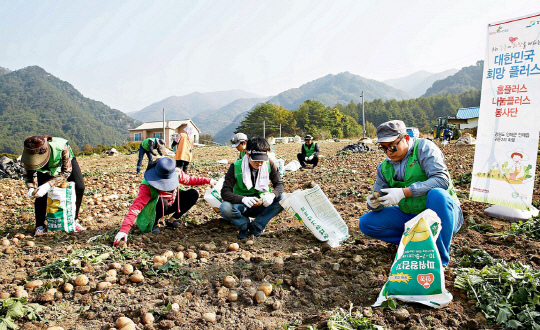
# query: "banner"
{"type": "Point", "coordinates": [507, 139]}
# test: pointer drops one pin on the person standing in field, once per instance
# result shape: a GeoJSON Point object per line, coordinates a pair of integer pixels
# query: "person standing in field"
{"type": "Point", "coordinates": [239, 141]}
{"type": "Point", "coordinates": [54, 163]}
{"type": "Point", "coordinates": [184, 148]}
{"type": "Point", "coordinates": [147, 148]}
{"type": "Point", "coordinates": [309, 153]}
{"type": "Point", "coordinates": [414, 177]}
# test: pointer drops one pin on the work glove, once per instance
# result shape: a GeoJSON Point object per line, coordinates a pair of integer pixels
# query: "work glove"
{"type": "Point", "coordinates": [43, 189]}
{"type": "Point", "coordinates": [310, 157]}
{"type": "Point", "coordinates": [268, 199]}
{"type": "Point", "coordinates": [212, 183]}
{"type": "Point", "coordinates": [373, 202]}
{"type": "Point", "coordinates": [307, 158]}
{"type": "Point", "coordinates": [392, 197]}
{"type": "Point", "coordinates": [120, 236]}
{"type": "Point", "coordinates": [250, 201]}
{"type": "Point", "coordinates": [30, 192]}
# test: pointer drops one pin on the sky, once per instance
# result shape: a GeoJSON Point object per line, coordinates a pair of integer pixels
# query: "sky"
{"type": "Point", "coordinates": [130, 54]}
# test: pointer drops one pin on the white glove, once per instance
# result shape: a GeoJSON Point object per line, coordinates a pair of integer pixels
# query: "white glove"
{"type": "Point", "coordinates": [120, 236]}
{"type": "Point", "coordinates": [268, 199]}
{"type": "Point", "coordinates": [310, 157]}
{"type": "Point", "coordinates": [392, 197]}
{"type": "Point", "coordinates": [43, 189]}
{"type": "Point", "coordinates": [307, 158]}
{"type": "Point", "coordinates": [212, 183]}
{"type": "Point", "coordinates": [373, 202]}
{"type": "Point", "coordinates": [30, 192]}
{"type": "Point", "coordinates": [250, 201]}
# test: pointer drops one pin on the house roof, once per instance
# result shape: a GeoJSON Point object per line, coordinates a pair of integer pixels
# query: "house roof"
{"type": "Point", "coordinates": [467, 113]}
{"type": "Point", "coordinates": [172, 124]}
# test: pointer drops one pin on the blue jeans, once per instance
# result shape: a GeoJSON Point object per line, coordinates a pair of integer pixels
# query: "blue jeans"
{"type": "Point", "coordinates": [239, 214]}
{"type": "Point", "coordinates": [389, 223]}
{"type": "Point", "coordinates": [143, 152]}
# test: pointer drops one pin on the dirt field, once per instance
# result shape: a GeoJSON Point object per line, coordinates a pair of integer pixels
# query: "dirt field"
{"type": "Point", "coordinates": [309, 278]}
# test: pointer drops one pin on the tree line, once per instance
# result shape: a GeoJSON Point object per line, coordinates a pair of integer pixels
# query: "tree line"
{"type": "Point", "coordinates": [344, 121]}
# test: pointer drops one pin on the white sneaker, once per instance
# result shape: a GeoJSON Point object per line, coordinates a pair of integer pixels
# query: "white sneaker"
{"type": "Point", "coordinates": [40, 230]}
{"type": "Point", "coordinates": [78, 227]}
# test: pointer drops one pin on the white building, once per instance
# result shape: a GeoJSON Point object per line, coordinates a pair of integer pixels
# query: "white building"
{"type": "Point", "coordinates": [155, 129]}
{"type": "Point", "coordinates": [470, 115]}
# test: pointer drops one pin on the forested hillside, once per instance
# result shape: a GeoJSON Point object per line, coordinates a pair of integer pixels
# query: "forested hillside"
{"type": "Point", "coordinates": [465, 79]}
{"type": "Point", "coordinates": [339, 121]}
{"type": "Point", "coordinates": [33, 101]}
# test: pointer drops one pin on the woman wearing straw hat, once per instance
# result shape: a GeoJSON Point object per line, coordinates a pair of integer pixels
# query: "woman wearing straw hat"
{"type": "Point", "coordinates": [159, 196]}
{"type": "Point", "coordinates": [54, 163]}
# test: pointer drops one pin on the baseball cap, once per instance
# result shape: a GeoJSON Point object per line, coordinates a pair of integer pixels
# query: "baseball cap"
{"type": "Point", "coordinates": [237, 139]}
{"type": "Point", "coordinates": [308, 137]}
{"type": "Point", "coordinates": [390, 131]}
{"type": "Point", "coordinates": [258, 155]}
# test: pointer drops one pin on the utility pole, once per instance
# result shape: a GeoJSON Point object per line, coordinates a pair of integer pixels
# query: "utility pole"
{"type": "Point", "coordinates": [264, 129]}
{"type": "Point", "coordinates": [279, 129]}
{"type": "Point", "coordinates": [363, 117]}
{"type": "Point", "coordinates": [164, 128]}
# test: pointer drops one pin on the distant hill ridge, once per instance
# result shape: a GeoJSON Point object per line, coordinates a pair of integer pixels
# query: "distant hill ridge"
{"type": "Point", "coordinates": [464, 80]}
{"type": "Point", "coordinates": [32, 101]}
{"type": "Point", "coordinates": [417, 83]}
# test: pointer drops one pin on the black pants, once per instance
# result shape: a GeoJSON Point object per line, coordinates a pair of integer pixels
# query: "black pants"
{"type": "Point", "coordinates": [40, 204]}
{"type": "Point", "coordinates": [187, 199]}
{"type": "Point", "coordinates": [303, 161]}
{"type": "Point", "coordinates": [182, 164]}
{"type": "Point", "coordinates": [143, 152]}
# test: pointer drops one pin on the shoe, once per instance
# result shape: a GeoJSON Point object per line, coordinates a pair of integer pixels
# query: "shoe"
{"type": "Point", "coordinates": [156, 230]}
{"type": "Point", "coordinates": [172, 225]}
{"type": "Point", "coordinates": [40, 230]}
{"type": "Point", "coordinates": [78, 227]}
{"type": "Point", "coordinates": [255, 230]}
{"type": "Point", "coordinates": [243, 234]}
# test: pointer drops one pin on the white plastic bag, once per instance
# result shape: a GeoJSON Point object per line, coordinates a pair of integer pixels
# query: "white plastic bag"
{"type": "Point", "coordinates": [510, 213]}
{"type": "Point", "coordinates": [294, 165]}
{"type": "Point", "coordinates": [417, 274]}
{"type": "Point", "coordinates": [61, 208]}
{"type": "Point", "coordinates": [213, 195]}
{"type": "Point", "coordinates": [313, 209]}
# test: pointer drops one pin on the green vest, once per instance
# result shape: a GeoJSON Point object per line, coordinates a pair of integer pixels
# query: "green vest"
{"type": "Point", "coordinates": [145, 219]}
{"type": "Point", "coordinates": [145, 145]}
{"type": "Point", "coordinates": [309, 151]}
{"type": "Point", "coordinates": [413, 173]}
{"type": "Point", "coordinates": [55, 160]}
{"type": "Point", "coordinates": [240, 188]}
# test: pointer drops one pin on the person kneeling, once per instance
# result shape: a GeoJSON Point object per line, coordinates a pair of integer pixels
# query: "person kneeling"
{"type": "Point", "coordinates": [415, 177]}
{"type": "Point", "coordinates": [246, 185]}
{"type": "Point", "coordinates": [159, 196]}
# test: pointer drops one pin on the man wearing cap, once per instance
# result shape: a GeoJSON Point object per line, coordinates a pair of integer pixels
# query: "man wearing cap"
{"type": "Point", "coordinates": [246, 190]}
{"type": "Point", "coordinates": [239, 141]}
{"type": "Point", "coordinates": [159, 196]}
{"type": "Point", "coordinates": [54, 163]}
{"type": "Point", "coordinates": [184, 147]}
{"type": "Point", "coordinates": [414, 177]}
{"type": "Point", "coordinates": [309, 153]}
{"type": "Point", "coordinates": [147, 148]}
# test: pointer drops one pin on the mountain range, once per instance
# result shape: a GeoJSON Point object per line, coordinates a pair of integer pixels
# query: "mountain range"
{"type": "Point", "coordinates": [33, 101]}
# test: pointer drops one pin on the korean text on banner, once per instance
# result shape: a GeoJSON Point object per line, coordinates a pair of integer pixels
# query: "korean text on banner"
{"type": "Point", "coordinates": [507, 142]}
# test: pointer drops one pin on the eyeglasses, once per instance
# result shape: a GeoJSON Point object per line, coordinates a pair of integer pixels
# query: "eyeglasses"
{"type": "Point", "coordinates": [392, 148]}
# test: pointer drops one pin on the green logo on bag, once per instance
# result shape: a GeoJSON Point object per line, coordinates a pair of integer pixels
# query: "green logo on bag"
{"type": "Point", "coordinates": [216, 195]}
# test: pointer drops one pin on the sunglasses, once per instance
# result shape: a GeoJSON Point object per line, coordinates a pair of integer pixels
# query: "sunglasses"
{"type": "Point", "coordinates": [392, 148]}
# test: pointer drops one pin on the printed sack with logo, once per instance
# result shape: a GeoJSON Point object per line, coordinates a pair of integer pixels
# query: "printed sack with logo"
{"type": "Point", "coordinates": [417, 274]}
{"type": "Point", "coordinates": [61, 208]}
{"type": "Point", "coordinates": [213, 195]}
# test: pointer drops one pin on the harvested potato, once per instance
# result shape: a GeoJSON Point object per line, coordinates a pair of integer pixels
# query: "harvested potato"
{"type": "Point", "coordinates": [111, 272]}
{"type": "Point", "coordinates": [5, 242]}
{"type": "Point", "coordinates": [251, 292]}
{"type": "Point", "coordinates": [233, 296]}
{"type": "Point", "coordinates": [233, 247]}
{"type": "Point", "coordinates": [124, 323]}
{"type": "Point", "coordinates": [148, 318]}
{"type": "Point", "coordinates": [168, 254]}
{"type": "Point", "coordinates": [103, 285]}
{"type": "Point", "coordinates": [136, 277]}
{"type": "Point", "coordinates": [81, 280]}
{"type": "Point", "coordinates": [30, 244]}
{"type": "Point", "coordinates": [260, 297]}
{"type": "Point", "coordinates": [209, 317]}
{"type": "Point", "coordinates": [33, 284]}
{"type": "Point", "coordinates": [229, 282]}
{"type": "Point", "coordinates": [68, 287]}
{"type": "Point", "coordinates": [127, 269]}
{"type": "Point", "coordinates": [266, 288]}
{"type": "Point", "coordinates": [115, 265]}
{"type": "Point", "coordinates": [64, 185]}
{"type": "Point", "coordinates": [259, 203]}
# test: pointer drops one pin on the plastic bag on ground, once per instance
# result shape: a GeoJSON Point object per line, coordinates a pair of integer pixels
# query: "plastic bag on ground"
{"type": "Point", "coordinates": [510, 213]}
{"type": "Point", "coordinates": [61, 208]}
{"type": "Point", "coordinates": [417, 274]}
{"type": "Point", "coordinates": [213, 195]}
{"type": "Point", "coordinates": [313, 209]}
{"type": "Point", "coordinates": [294, 165]}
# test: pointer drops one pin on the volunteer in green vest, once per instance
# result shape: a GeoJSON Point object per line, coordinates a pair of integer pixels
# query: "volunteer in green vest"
{"type": "Point", "coordinates": [309, 153]}
{"type": "Point", "coordinates": [414, 177]}
{"type": "Point", "coordinates": [239, 141]}
{"type": "Point", "coordinates": [53, 162]}
{"type": "Point", "coordinates": [246, 190]}
{"type": "Point", "coordinates": [147, 148]}
{"type": "Point", "coordinates": [159, 196]}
